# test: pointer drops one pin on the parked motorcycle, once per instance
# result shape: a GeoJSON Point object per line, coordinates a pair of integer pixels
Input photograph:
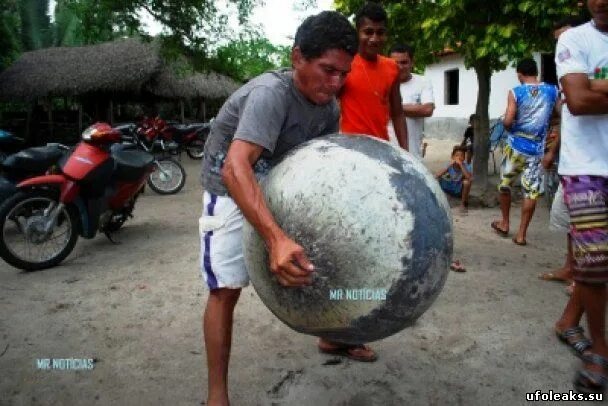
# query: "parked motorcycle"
{"type": "Point", "coordinates": [184, 137]}
{"type": "Point", "coordinates": [95, 190]}
{"type": "Point", "coordinates": [170, 176]}
{"type": "Point", "coordinates": [28, 163]}
{"type": "Point", "coordinates": [192, 138]}
{"type": "Point", "coordinates": [9, 144]}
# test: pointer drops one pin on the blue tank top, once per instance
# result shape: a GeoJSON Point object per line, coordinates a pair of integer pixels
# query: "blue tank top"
{"type": "Point", "coordinates": [534, 108]}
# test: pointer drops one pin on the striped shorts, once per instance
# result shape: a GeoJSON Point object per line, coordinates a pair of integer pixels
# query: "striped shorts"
{"type": "Point", "coordinates": [587, 201]}
{"type": "Point", "coordinates": [221, 233]}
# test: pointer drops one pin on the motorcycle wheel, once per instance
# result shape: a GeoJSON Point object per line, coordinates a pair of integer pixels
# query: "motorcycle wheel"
{"type": "Point", "coordinates": [196, 149]}
{"type": "Point", "coordinates": [23, 243]}
{"type": "Point", "coordinates": [168, 178]}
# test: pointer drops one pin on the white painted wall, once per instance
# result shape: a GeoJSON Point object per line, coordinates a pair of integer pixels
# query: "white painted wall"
{"type": "Point", "coordinates": [501, 83]}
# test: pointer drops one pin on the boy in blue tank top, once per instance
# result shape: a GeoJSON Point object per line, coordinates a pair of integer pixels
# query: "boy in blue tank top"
{"type": "Point", "coordinates": [529, 110]}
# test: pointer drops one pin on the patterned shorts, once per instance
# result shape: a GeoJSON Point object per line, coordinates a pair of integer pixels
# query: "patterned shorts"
{"type": "Point", "coordinates": [530, 168]}
{"type": "Point", "coordinates": [587, 201]}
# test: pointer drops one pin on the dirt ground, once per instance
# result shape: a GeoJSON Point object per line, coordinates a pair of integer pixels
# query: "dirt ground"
{"type": "Point", "coordinates": [135, 308]}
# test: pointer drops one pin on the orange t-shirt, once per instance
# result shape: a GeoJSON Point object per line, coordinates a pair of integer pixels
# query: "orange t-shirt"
{"type": "Point", "coordinates": [364, 99]}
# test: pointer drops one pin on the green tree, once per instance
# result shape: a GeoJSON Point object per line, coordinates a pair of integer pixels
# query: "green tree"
{"type": "Point", "coordinates": [490, 35]}
{"type": "Point", "coordinates": [249, 56]}
{"type": "Point", "coordinates": [35, 24]}
{"type": "Point", "coordinates": [191, 28]}
{"type": "Point", "coordinates": [10, 42]}
{"type": "Point", "coordinates": [84, 22]}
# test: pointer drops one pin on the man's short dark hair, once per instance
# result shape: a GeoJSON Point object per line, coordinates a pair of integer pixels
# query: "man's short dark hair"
{"type": "Point", "coordinates": [372, 11]}
{"type": "Point", "coordinates": [403, 49]}
{"type": "Point", "coordinates": [324, 31]}
{"type": "Point", "coordinates": [570, 21]}
{"type": "Point", "coordinates": [527, 67]}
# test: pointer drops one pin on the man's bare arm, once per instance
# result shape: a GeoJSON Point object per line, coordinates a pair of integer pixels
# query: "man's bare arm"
{"type": "Point", "coordinates": [418, 110]}
{"type": "Point", "coordinates": [397, 115]}
{"type": "Point", "coordinates": [580, 98]}
{"type": "Point", "coordinates": [287, 259]}
{"type": "Point", "coordinates": [511, 112]}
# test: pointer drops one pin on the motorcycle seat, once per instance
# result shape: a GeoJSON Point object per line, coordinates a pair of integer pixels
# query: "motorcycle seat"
{"type": "Point", "coordinates": [130, 164]}
{"type": "Point", "coordinates": [188, 128]}
{"type": "Point", "coordinates": [33, 160]}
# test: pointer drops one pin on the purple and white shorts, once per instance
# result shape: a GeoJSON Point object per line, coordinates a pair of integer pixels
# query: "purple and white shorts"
{"type": "Point", "coordinates": [221, 233]}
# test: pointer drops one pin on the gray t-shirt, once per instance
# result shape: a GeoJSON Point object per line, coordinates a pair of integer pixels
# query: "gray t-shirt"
{"type": "Point", "coordinates": [268, 111]}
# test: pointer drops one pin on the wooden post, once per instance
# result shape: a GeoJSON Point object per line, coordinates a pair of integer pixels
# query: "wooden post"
{"type": "Point", "coordinates": [181, 111]}
{"type": "Point", "coordinates": [49, 102]}
{"type": "Point", "coordinates": [80, 117]}
{"type": "Point", "coordinates": [111, 112]}
{"type": "Point", "coordinates": [28, 123]}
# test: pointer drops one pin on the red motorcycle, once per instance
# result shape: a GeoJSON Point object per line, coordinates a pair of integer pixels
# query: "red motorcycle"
{"type": "Point", "coordinates": [170, 176]}
{"type": "Point", "coordinates": [175, 137]}
{"type": "Point", "coordinates": [95, 190]}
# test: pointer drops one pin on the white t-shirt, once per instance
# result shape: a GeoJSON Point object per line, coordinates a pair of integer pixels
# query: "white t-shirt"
{"type": "Point", "coordinates": [584, 139]}
{"type": "Point", "coordinates": [417, 90]}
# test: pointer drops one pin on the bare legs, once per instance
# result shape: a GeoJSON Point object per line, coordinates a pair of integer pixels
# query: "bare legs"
{"type": "Point", "coordinates": [466, 189]}
{"type": "Point", "coordinates": [527, 211]}
{"type": "Point", "coordinates": [217, 326]}
{"type": "Point", "coordinates": [593, 298]}
{"type": "Point", "coordinates": [504, 200]}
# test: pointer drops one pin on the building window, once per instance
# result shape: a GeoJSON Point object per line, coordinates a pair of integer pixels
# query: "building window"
{"type": "Point", "coordinates": [548, 69]}
{"type": "Point", "coordinates": [451, 87]}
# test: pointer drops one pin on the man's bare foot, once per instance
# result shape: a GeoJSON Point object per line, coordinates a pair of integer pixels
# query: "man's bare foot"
{"type": "Point", "coordinates": [356, 352]}
{"type": "Point", "coordinates": [500, 227]}
{"type": "Point", "coordinates": [574, 337]}
{"type": "Point", "coordinates": [563, 274]}
{"type": "Point", "coordinates": [457, 266]}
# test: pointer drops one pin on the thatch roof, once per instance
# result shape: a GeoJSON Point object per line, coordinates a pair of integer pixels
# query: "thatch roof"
{"type": "Point", "coordinates": [119, 66]}
{"type": "Point", "coordinates": [201, 85]}
{"type": "Point", "coordinates": [126, 66]}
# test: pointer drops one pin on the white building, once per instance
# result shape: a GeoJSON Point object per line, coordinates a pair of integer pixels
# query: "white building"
{"type": "Point", "coordinates": [455, 89]}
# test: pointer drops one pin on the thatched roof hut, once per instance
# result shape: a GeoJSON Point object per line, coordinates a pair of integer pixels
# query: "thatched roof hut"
{"type": "Point", "coordinates": [198, 86]}
{"type": "Point", "coordinates": [115, 67]}
{"type": "Point", "coordinates": [123, 67]}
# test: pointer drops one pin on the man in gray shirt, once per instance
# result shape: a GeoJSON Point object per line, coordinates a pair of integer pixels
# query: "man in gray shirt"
{"type": "Point", "coordinates": [259, 123]}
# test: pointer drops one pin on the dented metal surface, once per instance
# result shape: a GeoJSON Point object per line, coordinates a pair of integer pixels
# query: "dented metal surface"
{"type": "Point", "coordinates": [375, 224]}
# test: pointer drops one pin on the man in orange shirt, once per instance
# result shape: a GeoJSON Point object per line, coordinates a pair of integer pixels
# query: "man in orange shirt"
{"type": "Point", "coordinates": [370, 95]}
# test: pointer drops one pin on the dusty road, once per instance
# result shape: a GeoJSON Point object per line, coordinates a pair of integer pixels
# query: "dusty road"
{"type": "Point", "coordinates": [136, 309]}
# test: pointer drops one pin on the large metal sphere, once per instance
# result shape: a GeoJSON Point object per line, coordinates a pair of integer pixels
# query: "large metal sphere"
{"type": "Point", "coordinates": [376, 226]}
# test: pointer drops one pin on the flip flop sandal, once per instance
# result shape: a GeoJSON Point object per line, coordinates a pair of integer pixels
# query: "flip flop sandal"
{"type": "Point", "coordinates": [456, 266]}
{"type": "Point", "coordinates": [499, 230]}
{"type": "Point", "coordinates": [346, 351]}
{"type": "Point", "coordinates": [574, 338]}
{"type": "Point", "coordinates": [587, 381]}
{"type": "Point", "coordinates": [521, 243]}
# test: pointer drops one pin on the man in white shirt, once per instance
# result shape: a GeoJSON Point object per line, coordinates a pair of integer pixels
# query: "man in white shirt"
{"type": "Point", "coordinates": [582, 67]}
{"type": "Point", "coordinates": [416, 96]}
